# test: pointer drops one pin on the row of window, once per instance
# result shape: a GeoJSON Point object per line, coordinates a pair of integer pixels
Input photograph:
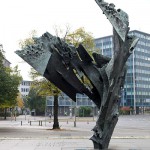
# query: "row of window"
{"type": "Point", "coordinates": [25, 89]}
{"type": "Point", "coordinates": [27, 83]}
{"type": "Point", "coordinates": [138, 78]}
{"type": "Point", "coordinates": [138, 93]}
{"type": "Point", "coordinates": [144, 43]}
{"type": "Point", "coordinates": [106, 46]}
{"type": "Point", "coordinates": [142, 86]}
{"type": "Point", "coordinates": [142, 71]}
{"type": "Point", "coordinates": [82, 100]}
{"type": "Point", "coordinates": [143, 50]}
{"type": "Point", "coordinates": [142, 57]}
{"type": "Point", "coordinates": [139, 71]}
{"type": "Point", "coordinates": [142, 78]}
{"type": "Point", "coordinates": [139, 35]}
{"type": "Point", "coordinates": [138, 63]}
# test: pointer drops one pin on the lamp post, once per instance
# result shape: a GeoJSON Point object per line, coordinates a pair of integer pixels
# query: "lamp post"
{"type": "Point", "coordinates": [122, 97]}
{"type": "Point", "coordinates": [134, 84]}
{"type": "Point", "coordinates": [75, 111]}
{"type": "Point", "coordinates": [45, 109]}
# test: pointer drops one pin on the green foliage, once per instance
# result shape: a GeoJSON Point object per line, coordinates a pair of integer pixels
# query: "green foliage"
{"type": "Point", "coordinates": [2, 113]}
{"type": "Point", "coordinates": [29, 40]}
{"type": "Point", "coordinates": [36, 102]}
{"type": "Point", "coordinates": [45, 88]}
{"type": "Point", "coordinates": [85, 111]}
{"type": "Point", "coordinates": [9, 82]}
{"type": "Point", "coordinates": [80, 36]}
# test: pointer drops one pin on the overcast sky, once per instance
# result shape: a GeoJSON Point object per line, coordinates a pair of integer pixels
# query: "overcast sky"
{"type": "Point", "coordinates": [20, 17]}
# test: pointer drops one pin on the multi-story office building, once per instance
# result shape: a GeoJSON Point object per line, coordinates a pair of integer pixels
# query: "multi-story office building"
{"type": "Point", "coordinates": [136, 92]}
{"type": "Point", "coordinates": [24, 87]}
{"type": "Point", "coordinates": [67, 106]}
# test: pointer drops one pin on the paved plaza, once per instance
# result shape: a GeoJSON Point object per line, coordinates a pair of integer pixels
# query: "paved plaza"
{"type": "Point", "coordinates": [131, 133]}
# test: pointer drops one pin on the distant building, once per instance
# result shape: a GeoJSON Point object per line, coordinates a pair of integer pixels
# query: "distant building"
{"type": "Point", "coordinates": [67, 105]}
{"type": "Point", "coordinates": [6, 63]}
{"type": "Point", "coordinates": [136, 92]}
{"type": "Point", "coordinates": [24, 87]}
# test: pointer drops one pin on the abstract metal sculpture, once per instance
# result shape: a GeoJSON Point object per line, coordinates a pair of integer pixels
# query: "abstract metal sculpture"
{"type": "Point", "coordinates": [64, 65]}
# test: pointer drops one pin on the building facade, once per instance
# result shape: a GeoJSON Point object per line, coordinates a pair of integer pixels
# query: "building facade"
{"type": "Point", "coordinates": [6, 63]}
{"type": "Point", "coordinates": [67, 106]}
{"type": "Point", "coordinates": [136, 91]}
{"type": "Point", "coordinates": [24, 87]}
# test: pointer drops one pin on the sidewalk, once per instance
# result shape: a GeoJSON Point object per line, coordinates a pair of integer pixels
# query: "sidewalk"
{"type": "Point", "coordinates": [71, 144]}
{"type": "Point", "coordinates": [131, 133]}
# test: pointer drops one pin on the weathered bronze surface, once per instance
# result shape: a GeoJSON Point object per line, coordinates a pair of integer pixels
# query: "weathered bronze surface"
{"type": "Point", "coordinates": [64, 65]}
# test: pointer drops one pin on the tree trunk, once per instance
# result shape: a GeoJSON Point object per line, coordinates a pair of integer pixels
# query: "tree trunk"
{"type": "Point", "coordinates": [5, 113]}
{"type": "Point", "coordinates": [56, 123]}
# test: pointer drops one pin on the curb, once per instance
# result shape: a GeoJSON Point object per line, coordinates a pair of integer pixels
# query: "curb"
{"type": "Point", "coordinates": [70, 137]}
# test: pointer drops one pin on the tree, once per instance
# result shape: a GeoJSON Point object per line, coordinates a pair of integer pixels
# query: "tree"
{"type": "Point", "coordinates": [2, 71]}
{"type": "Point", "coordinates": [9, 82]}
{"type": "Point", "coordinates": [20, 102]}
{"type": "Point", "coordinates": [45, 88]}
{"type": "Point", "coordinates": [85, 111]}
{"type": "Point", "coordinates": [29, 40]}
{"type": "Point", "coordinates": [80, 36]}
{"type": "Point", "coordinates": [35, 101]}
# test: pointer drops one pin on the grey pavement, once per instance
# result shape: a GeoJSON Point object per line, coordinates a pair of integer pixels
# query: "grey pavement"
{"type": "Point", "coordinates": [131, 133]}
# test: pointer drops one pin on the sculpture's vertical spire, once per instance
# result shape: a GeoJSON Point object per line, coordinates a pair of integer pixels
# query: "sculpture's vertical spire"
{"type": "Point", "coordinates": [118, 18]}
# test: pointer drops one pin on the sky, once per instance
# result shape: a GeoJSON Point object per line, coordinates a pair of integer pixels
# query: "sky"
{"type": "Point", "coordinates": [20, 17]}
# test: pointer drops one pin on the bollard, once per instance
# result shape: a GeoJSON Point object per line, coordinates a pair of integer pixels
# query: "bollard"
{"type": "Point", "coordinates": [21, 123]}
{"type": "Point", "coordinates": [30, 123]}
{"type": "Point", "coordinates": [41, 123]}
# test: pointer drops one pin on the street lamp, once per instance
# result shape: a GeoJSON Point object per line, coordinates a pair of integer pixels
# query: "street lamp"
{"type": "Point", "coordinates": [123, 97]}
{"type": "Point", "coordinates": [134, 83]}
{"type": "Point", "coordinates": [75, 111]}
{"type": "Point", "coordinates": [93, 109]}
{"type": "Point", "coordinates": [45, 108]}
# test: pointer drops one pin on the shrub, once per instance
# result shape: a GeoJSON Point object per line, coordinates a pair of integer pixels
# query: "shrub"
{"type": "Point", "coordinates": [85, 111]}
{"type": "Point", "coordinates": [125, 110]}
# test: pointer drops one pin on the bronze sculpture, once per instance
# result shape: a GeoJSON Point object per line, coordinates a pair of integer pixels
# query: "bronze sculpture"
{"type": "Point", "coordinates": [64, 65]}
